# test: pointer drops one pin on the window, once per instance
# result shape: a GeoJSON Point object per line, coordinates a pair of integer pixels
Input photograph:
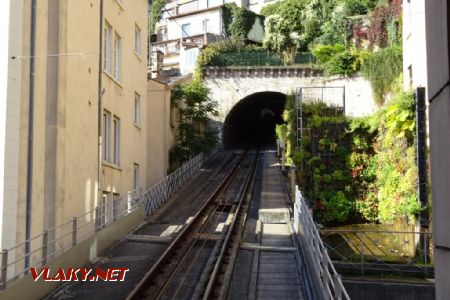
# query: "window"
{"type": "Point", "coordinates": [106, 135]}
{"type": "Point", "coordinates": [116, 141]}
{"type": "Point", "coordinates": [111, 142]}
{"type": "Point", "coordinates": [103, 214]}
{"type": "Point", "coordinates": [137, 109]}
{"type": "Point", "coordinates": [186, 30]}
{"type": "Point", "coordinates": [137, 40]}
{"type": "Point", "coordinates": [161, 34]}
{"type": "Point", "coordinates": [107, 47]}
{"type": "Point", "coordinates": [190, 57]}
{"type": "Point", "coordinates": [135, 176]}
{"type": "Point", "coordinates": [117, 56]}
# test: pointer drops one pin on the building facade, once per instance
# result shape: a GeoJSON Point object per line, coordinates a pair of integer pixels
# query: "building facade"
{"type": "Point", "coordinates": [414, 44]}
{"type": "Point", "coordinates": [438, 71]}
{"type": "Point", "coordinates": [81, 125]}
{"type": "Point", "coordinates": [188, 26]}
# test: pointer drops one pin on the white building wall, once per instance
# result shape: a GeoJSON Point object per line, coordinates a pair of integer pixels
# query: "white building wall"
{"type": "Point", "coordinates": [414, 44]}
{"type": "Point", "coordinates": [196, 24]}
{"type": "Point", "coordinates": [10, 97]}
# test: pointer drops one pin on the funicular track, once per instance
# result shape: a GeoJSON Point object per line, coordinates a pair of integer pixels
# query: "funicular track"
{"type": "Point", "coordinates": [199, 262]}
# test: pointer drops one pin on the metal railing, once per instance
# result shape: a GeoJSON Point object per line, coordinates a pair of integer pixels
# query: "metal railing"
{"type": "Point", "coordinates": [378, 252]}
{"type": "Point", "coordinates": [160, 192]}
{"type": "Point", "coordinates": [52, 243]}
{"type": "Point", "coordinates": [258, 59]}
{"type": "Point", "coordinates": [326, 281]}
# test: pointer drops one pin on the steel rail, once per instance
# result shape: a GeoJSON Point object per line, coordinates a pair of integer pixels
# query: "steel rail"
{"type": "Point", "coordinates": [141, 287]}
{"type": "Point", "coordinates": [235, 229]}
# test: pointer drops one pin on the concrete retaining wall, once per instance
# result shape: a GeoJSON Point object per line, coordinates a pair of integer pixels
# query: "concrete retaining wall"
{"type": "Point", "coordinates": [77, 256]}
{"type": "Point", "coordinates": [376, 290]}
{"type": "Point", "coordinates": [229, 86]}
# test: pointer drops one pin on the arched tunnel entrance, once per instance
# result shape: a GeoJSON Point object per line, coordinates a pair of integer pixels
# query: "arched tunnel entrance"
{"type": "Point", "coordinates": [251, 122]}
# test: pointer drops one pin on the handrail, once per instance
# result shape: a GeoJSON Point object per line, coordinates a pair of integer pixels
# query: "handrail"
{"type": "Point", "coordinates": [98, 218]}
{"type": "Point", "coordinates": [329, 282]}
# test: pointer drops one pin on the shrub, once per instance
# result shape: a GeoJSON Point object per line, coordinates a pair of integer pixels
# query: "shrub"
{"type": "Point", "coordinates": [210, 55]}
{"type": "Point", "coordinates": [279, 39]}
{"type": "Point", "coordinates": [337, 61]}
{"type": "Point", "coordinates": [381, 68]}
{"type": "Point", "coordinates": [324, 53]}
{"type": "Point", "coordinates": [343, 64]}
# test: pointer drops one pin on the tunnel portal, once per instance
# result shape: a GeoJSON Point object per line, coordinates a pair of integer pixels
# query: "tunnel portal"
{"type": "Point", "coordinates": [251, 122]}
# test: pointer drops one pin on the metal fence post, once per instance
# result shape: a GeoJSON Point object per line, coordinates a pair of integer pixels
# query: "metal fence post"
{"type": "Point", "coordinates": [293, 168]}
{"type": "Point", "coordinates": [362, 253]}
{"type": "Point", "coordinates": [74, 231]}
{"type": "Point", "coordinates": [44, 247]}
{"type": "Point", "coordinates": [337, 287]}
{"type": "Point", "coordinates": [324, 267]}
{"type": "Point", "coordinates": [3, 269]}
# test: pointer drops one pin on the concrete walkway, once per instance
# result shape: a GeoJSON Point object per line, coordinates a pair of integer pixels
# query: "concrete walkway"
{"type": "Point", "coordinates": [268, 261]}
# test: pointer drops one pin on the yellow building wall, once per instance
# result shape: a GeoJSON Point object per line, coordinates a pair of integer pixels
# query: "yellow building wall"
{"type": "Point", "coordinates": [65, 144]}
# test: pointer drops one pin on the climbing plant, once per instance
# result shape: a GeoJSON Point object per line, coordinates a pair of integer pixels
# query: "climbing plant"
{"type": "Point", "coordinates": [356, 169]}
{"type": "Point", "coordinates": [155, 14]}
{"type": "Point", "coordinates": [238, 21]}
{"type": "Point", "coordinates": [381, 68]}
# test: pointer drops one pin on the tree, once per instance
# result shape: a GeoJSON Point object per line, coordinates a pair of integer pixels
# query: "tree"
{"type": "Point", "coordinates": [279, 37]}
{"type": "Point", "coordinates": [195, 107]}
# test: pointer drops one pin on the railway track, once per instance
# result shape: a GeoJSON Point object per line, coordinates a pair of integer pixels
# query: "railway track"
{"type": "Point", "coordinates": [199, 262]}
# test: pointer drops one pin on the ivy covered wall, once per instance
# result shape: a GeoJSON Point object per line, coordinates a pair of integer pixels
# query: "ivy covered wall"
{"type": "Point", "coordinates": [356, 169]}
{"type": "Point", "coordinates": [238, 21]}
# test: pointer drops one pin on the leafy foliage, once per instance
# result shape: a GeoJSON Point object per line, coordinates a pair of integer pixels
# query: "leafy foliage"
{"type": "Point", "coordinates": [195, 107]}
{"type": "Point", "coordinates": [210, 54]}
{"type": "Point", "coordinates": [279, 38]}
{"type": "Point", "coordinates": [397, 171]}
{"type": "Point", "coordinates": [270, 9]}
{"type": "Point", "coordinates": [372, 175]}
{"type": "Point", "coordinates": [384, 20]}
{"type": "Point", "coordinates": [155, 14]}
{"type": "Point", "coordinates": [381, 68]}
{"type": "Point", "coordinates": [238, 21]}
{"type": "Point", "coordinates": [324, 53]}
{"type": "Point", "coordinates": [336, 60]}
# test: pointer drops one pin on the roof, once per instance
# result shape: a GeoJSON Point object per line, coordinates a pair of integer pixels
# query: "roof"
{"type": "Point", "coordinates": [172, 80]}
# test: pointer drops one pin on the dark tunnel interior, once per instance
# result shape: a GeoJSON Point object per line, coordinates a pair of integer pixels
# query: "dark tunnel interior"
{"type": "Point", "coordinates": [252, 121]}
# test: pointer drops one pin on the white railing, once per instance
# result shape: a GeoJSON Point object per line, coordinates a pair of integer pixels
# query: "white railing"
{"type": "Point", "coordinates": [160, 192]}
{"type": "Point", "coordinates": [37, 251]}
{"type": "Point", "coordinates": [323, 271]}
